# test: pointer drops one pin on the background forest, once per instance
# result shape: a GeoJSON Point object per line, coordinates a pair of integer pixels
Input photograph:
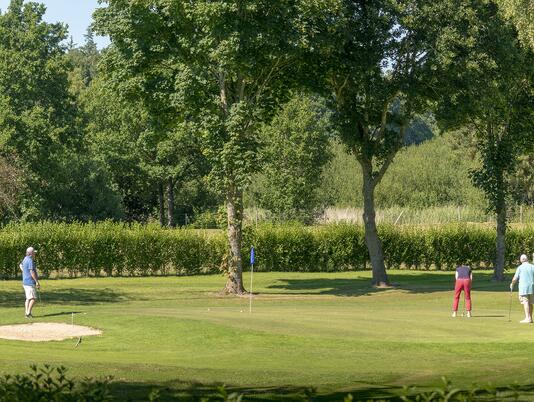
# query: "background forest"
{"type": "Point", "coordinates": [217, 114]}
{"type": "Point", "coordinates": [73, 148]}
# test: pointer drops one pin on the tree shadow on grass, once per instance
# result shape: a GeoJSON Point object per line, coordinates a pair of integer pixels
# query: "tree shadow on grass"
{"type": "Point", "coordinates": [181, 391]}
{"type": "Point", "coordinates": [427, 282]}
{"type": "Point", "coordinates": [84, 297]}
{"type": "Point", "coordinates": [324, 286]}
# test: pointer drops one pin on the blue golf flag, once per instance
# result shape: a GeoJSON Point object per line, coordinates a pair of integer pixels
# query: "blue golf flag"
{"type": "Point", "coordinates": [252, 256]}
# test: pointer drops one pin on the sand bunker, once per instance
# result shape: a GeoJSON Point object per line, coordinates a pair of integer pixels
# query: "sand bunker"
{"type": "Point", "coordinates": [45, 331]}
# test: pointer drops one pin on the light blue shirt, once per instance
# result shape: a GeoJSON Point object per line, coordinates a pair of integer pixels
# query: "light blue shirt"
{"type": "Point", "coordinates": [525, 274]}
{"type": "Point", "coordinates": [27, 267]}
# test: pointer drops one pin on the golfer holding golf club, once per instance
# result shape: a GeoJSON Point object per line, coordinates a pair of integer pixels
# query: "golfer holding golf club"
{"type": "Point", "coordinates": [464, 279]}
{"type": "Point", "coordinates": [30, 280]}
{"type": "Point", "coordinates": [525, 275]}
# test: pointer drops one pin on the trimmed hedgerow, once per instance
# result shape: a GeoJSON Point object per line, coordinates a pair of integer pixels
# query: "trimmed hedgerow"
{"type": "Point", "coordinates": [113, 249]}
{"type": "Point", "coordinates": [342, 247]}
{"type": "Point", "coordinates": [110, 249]}
{"type": "Point", "coordinates": [298, 248]}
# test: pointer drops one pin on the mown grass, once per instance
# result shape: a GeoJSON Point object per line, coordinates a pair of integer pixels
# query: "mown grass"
{"type": "Point", "coordinates": [329, 331]}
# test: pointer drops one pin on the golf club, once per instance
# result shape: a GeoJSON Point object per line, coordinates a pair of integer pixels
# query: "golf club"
{"type": "Point", "coordinates": [463, 310]}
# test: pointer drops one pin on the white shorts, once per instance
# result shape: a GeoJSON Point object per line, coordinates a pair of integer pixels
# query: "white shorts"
{"type": "Point", "coordinates": [30, 292]}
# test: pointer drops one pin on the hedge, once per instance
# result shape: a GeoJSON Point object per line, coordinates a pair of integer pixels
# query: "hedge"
{"type": "Point", "coordinates": [342, 247]}
{"type": "Point", "coordinates": [114, 249]}
{"type": "Point", "coordinates": [110, 249]}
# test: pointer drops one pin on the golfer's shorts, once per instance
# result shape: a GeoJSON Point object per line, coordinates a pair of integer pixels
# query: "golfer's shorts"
{"type": "Point", "coordinates": [526, 299]}
{"type": "Point", "coordinates": [30, 292]}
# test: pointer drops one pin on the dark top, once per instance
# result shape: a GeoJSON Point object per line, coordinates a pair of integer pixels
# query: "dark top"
{"type": "Point", "coordinates": [464, 272]}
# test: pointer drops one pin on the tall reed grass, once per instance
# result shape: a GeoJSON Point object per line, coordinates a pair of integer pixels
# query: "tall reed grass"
{"type": "Point", "coordinates": [427, 216]}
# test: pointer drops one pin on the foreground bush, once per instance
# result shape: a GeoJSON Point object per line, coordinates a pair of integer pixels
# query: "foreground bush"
{"type": "Point", "coordinates": [52, 384]}
{"type": "Point", "coordinates": [115, 249]}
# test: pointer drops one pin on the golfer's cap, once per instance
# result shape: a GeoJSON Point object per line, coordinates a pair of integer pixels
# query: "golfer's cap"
{"type": "Point", "coordinates": [523, 258]}
{"type": "Point", "coordinates": [30, 250]}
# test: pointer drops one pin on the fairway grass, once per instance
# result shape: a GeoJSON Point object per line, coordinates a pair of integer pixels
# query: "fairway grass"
{"type": "Point", "coordinates": [331, 331]}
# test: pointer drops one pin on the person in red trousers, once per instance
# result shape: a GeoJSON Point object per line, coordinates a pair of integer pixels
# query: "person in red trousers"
{"type": "Point", "coordinates": [464, 279]}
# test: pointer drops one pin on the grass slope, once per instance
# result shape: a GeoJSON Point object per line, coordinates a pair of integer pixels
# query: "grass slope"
{"type": "Point", "coordinates": [330, 331]}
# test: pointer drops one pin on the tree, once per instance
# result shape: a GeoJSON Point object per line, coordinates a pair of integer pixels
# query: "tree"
{"type": "Point", "coordinates": [137, 132]}
{"type": "Point", "coordinates": [39, 122]}
{"type": "Point", "coordinates": [431, 173]}
{"type": "Point", "coordinates": [36, 109]}
{"type": "Point", "coordinates": [150, 154]}
{"type": "Point", "coordinates": [521, 12]}
{"type": "Point", "coordinates": [380, 75]}
{"type": "Point", "coordinates": [229, 65]}
{"type": "Point", "coordinates": [523, 180]}
{"type": "Point", "coordinates": [11, 186]}
{"type": "Point", "coordinates": [494, 102]}
{"type": "Point", "coordinates": [172, 157]}
{"type": "Point", "coordinates": [113, 128]}
{"type": "Point", "coordinates": [84, 61]}
{"type": "Point", "coordinates": [297, 147]}
{"type": "Point", "coordinates": [35, 104]}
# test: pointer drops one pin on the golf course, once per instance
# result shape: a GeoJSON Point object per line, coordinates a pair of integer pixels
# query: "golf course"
{"type": "Point", "coordinates": [258, 200]}
{"type": "Point", "coordinates": [330, 331]}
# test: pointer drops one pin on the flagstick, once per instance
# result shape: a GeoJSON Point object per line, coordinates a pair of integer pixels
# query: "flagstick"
{"type": "Point", "coordinates": [250, 295]}
{"type": "Point", "coordinates": [252, 261]}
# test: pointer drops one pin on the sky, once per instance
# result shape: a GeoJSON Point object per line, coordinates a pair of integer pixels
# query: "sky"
{"type": "Point", "coordinates": [77, 14]}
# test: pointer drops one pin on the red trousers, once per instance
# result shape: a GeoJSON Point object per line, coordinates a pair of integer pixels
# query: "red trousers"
{"type": "Point", "coordinates": [465, 285]}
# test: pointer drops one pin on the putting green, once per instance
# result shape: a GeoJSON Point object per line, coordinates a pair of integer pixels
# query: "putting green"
{"type": "Point", "coordinates": [327, 330]}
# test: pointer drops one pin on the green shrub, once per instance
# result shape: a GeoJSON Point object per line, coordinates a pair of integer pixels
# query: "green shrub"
{"type": "Point", "coordinates": [210, 219]}
{"type": "Point", "coordinates": [51, 384]}
{"type": "Point", "coordinates": [342, 247]}
{"type": "Point", "coordinates": [110, 249]}
{"type": "Point", "coordinates": [113, 249]}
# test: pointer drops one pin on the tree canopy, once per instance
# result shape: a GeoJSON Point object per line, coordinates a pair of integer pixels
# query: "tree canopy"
{"type": "Point", "coordinates": [227, 66]}
{"type": "Point", "coordinates": [493, 99]}
{"type": "Point", "coordinates": [40, 121]}
{"type": "Point", "coordinates": [199, 104]}
{"type": "Point", "coordinates": [521, 12]}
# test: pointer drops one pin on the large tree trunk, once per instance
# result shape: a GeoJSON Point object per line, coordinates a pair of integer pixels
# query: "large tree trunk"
{"type": "Point", "coordinates": [170, 203]}
{"type": "Point", "coordinates": [234, 206]}
{"type": "Point", "coordinates": [372, 240]}
{"type": "Point", "coordinates": [161, 204]}
{"type": "Point", "coordinates": [498, 270]}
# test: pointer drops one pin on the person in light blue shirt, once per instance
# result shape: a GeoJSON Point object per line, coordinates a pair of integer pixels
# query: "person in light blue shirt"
{"type": "Point", "coordinates": [525, 275]}
{"type": "Point", "coordinates": [30, 280]}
